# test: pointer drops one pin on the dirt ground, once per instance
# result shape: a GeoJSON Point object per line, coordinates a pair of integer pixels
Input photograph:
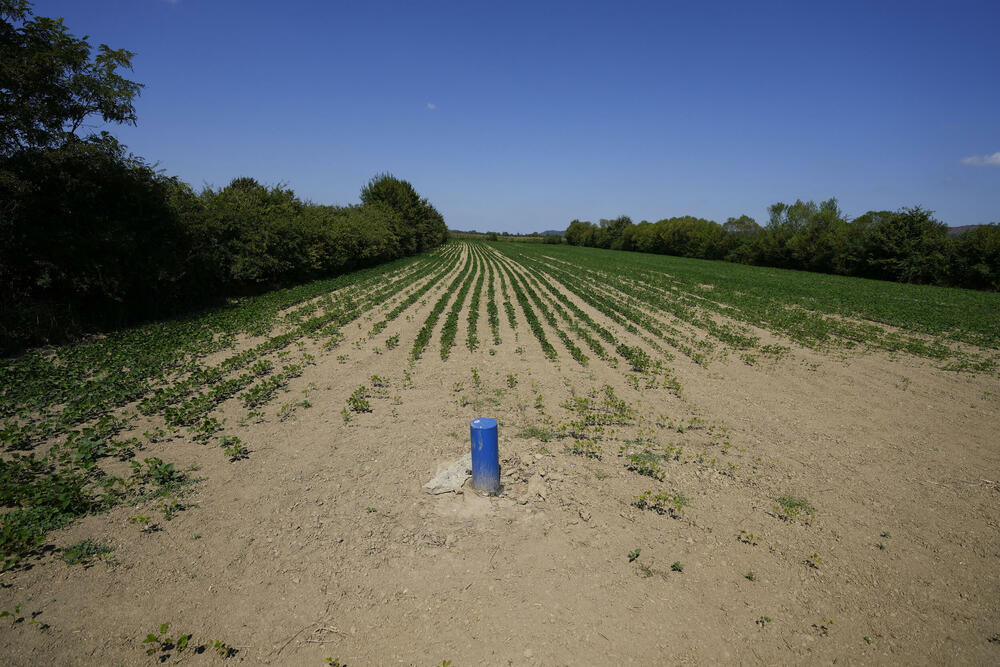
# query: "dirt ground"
{"type": "Point", "coordinates": [322, 544]}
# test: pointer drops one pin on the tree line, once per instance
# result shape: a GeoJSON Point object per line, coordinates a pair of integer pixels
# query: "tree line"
{"type": "Point", "coordinates": [93, 237]}
{"type": "Point", "coordinates": [907, 245]}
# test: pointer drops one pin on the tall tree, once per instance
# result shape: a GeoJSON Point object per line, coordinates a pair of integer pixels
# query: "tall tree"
{"type": "Point", "coordinates": [50, 84]}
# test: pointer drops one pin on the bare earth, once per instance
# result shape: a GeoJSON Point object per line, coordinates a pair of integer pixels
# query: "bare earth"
{"type": "Point", "coordinates": [323, 544]}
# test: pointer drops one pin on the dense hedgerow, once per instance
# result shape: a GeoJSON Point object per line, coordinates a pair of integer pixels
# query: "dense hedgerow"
{"type": "Point", "coordinates": [907, 245]}
{"type": "Point", "coordinates": [94, 239]}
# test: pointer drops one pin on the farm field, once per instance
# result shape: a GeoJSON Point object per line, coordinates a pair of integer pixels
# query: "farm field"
{"type": "Point", "coordinates": [702, 462]}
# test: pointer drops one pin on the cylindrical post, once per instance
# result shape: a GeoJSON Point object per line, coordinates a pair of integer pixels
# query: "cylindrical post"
{"type": "Point", "coordinates": [485, 455]}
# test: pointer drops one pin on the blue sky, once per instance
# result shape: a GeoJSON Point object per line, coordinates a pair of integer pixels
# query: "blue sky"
{"type": "Point", "coordinates": [519, 117]}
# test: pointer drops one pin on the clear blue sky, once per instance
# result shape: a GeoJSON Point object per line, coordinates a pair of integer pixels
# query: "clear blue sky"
{"type": "Point", "coordinates": [519, 117]}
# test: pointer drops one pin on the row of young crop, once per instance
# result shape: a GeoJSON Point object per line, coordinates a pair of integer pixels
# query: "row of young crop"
{"type": "Point", "coordinates": [555, 282]}
{"type": "Point", "coordinates": [722, 302]}
{"type": "Point", "coordinates": [542, 303]}
{"type": "Point", "coordinates": [654, 321]}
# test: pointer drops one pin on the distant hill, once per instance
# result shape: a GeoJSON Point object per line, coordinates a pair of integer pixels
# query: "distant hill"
{"type": "Point", "coordinates": [958, 231]}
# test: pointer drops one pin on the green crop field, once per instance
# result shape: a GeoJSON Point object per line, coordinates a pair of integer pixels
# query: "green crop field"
{"type": "Point", "coordinates": [63, 409]}
{"type": "Point", "coordinates": [586, 356]}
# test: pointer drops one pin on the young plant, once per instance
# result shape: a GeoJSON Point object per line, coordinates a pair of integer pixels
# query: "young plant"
{"type": "Point", "coordinates": [662, 503]}
{"type": "Point", "coordinates": [83, 552]}
{"type": "Point", "coordinates": [790, 507]}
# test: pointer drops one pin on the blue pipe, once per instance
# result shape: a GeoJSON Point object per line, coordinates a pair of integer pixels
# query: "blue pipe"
{"type": "Point", "coordinates": [485, 455]}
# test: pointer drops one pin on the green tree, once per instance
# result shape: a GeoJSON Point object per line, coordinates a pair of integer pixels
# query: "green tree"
{"type": "Point", "coordinates": [418, 225]}
{"type": "Point", "coordinates": [580, 233]}
{"type": "Point", "coordinates": [907, 245]}
{"type": "Point", "coordinates": [50, 84]}
{"type": "Point", "coordinates": [976, 262]}
{"type": "Point", "coordinates": [742, 226]}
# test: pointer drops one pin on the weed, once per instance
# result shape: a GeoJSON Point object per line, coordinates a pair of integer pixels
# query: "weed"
{"type": "Point", "coordinates": [662, 503]}
{"type": "Point", "coordinates": [632, 555]}
{"type": "Point", "coordinates": [589, 448]}
{"type": "Point", "coordinates": [789, 507]}
{"type": "Point", "coordinates": [358, 401]}
{"type": "Point", "coordinates": [645, 464]}
{"type": "Point", "coordinates": [512, 380]}
{"type": "Point", "coordinates": [763, 620]}
{"type": "Point", "coordinates": [538, 432]}
{"type": "Point", "coordinates": [392, 341]}
{"type": "Point", "coordinates": [234, 448]}
{"type": "Point", "coordinates": [82, 552]}
{"type": "Point", "coordinates": [814, 561]}
{"type": "Point", "coordinates": [676, 566]}
{"type": "Point", "coordinates": [162, 645]}
{"type": "Point", "coordinates": [751, 576]}
{"type": "Point", "coordinates": [169, 507]}
{"type": "Point", "coordinates": [145, 522]}
{"type": "Point", "coordinates": [748, 538]}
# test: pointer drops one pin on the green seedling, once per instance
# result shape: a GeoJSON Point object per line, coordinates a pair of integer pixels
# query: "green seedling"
{"type": "Point", "coordinates": [234, 448]}
{"type": "Point", "coordinates": [83, 552]}
{"type": "Point", "coordinates": [662, 503]}
{"type": "Point", "coordinates": [676, 566]}
{"type": "Point", "coordinates": [789, 507]}
{"type": "Point", "coordinates": [632, 555]}
{"type": "Point", "coordinates": [358, 401]}
{"type": "Point", "coordinates": [145, 522]}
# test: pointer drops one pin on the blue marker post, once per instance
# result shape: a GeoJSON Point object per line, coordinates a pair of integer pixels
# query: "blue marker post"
{"type": "Point", "coordinates": [485, 455]}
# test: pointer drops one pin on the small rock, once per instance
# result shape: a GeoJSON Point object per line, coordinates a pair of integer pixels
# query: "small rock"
{"type": "Point", "coordinates": [585, 515]}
